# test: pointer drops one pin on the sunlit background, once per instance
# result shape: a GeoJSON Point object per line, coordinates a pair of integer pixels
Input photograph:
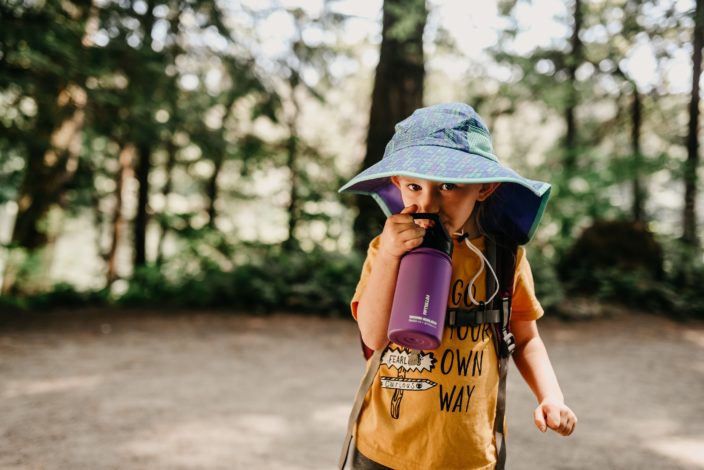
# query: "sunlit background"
{"type": "Point", "coordinates": [465, 60]}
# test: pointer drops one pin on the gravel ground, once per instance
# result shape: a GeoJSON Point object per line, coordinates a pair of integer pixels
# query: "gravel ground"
{"type": "Point", "coordinates": [146, 390]}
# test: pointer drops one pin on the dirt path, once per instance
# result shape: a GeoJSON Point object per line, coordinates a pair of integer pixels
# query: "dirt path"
{"type": "Point", "coordinates": [212, 391]}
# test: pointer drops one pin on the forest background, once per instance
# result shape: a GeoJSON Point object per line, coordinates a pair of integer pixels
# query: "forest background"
{"type": "Point", "coordinates": [187, 153]}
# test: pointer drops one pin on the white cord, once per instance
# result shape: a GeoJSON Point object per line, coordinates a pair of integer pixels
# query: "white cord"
{"type": "Point", "coordinates": [482, 262]}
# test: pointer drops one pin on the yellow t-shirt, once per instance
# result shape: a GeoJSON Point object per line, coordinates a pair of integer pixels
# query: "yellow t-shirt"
{"type": "Point", "coordinates": [435, 409]}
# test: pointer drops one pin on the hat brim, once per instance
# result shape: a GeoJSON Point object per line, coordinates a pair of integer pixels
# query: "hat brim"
{"type": "Point", "coordinates": [515, 208]}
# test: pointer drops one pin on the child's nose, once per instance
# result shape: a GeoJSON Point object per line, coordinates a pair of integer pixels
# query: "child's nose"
{"type": "Point", "coordinates": [428, 203]}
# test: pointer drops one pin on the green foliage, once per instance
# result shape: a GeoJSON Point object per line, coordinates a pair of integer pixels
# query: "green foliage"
{"type": "Point", "coordinates": [269, 280]}
{"type": "Point", "coordinates": [317, 281]}
{"type": "Point", "coordinates": [409, 17]}
{"type": "Point", "coordinates": [548, 287]}
{"type": "Point", "coordinates": [64, 295]}
{"type": "Point", "coordinates": [149, 286]}
{"type": "Point", "coordinates": [675, 293]}
{"type": "Point", "coordinates": [635, 288]}
{"type": "Point", "coordinates": [25, 268]}
{"type": "Point", "coordinates": [12, 304]}
{"type": "Point", "coordinates": [611, 245]}
{"type": "Point", "coordinates": [61, 295]}
{"type": "Point", "coordinates": [684, 270]}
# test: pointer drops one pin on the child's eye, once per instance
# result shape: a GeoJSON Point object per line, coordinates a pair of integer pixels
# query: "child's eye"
{"type": "Point", "coordinates": [414, 187]}
{"type": "Point", "coordinates": [448, 186]}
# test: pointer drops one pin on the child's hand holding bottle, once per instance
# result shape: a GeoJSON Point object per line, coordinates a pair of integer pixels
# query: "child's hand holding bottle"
{"type": "Point", "coordinates": [401, 234]}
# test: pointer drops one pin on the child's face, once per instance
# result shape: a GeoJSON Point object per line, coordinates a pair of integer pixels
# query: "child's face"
{"type": "Point", "coordinates": [453, 202]}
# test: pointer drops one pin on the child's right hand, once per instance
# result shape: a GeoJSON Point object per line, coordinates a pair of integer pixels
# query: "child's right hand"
{"type": "Point", "coordinates": [401, 234]}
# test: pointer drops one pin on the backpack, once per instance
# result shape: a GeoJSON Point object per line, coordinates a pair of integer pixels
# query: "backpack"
{"type": "Point", "coordinates": [501, 254]}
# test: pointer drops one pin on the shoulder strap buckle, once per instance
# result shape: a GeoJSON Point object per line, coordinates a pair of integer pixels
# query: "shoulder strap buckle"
{"type": "Point", "coordinates": [506, 310]}
{"type": "Point", "coordinates": [508, 343]}
{"type": "Point", "coordinates": [464, 317]}
{"type": "Point", "coordinates": [451, 317]}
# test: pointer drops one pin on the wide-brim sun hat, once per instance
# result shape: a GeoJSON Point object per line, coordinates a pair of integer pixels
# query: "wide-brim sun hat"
{"type": "Point", "coordinates": [449, 143]}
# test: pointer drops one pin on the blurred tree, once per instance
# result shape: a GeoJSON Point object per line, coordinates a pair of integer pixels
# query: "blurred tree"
{"type": "Point", "coordinates": [150, 99]}
{"type": "Point", "coordinates": [205, 117]}
{"type": "Point", "coordinates": [156, 48]}
{"type": "Point", "coordinates": [174, 125]}
{"type": "Point", "coordinates": [398, 91]}
{"type": "Point", "coordinates": [689, 235]}
{"type": "Point", "coordinates": [306, 75]}
{"type": "Point", "coordinates": [125, 161]}
{"type": "Point", "coordinates": [126, 92]}
{"type": "Point", "coordinates": [638, 210]}
{"type": "Point", "coordinates": [549, 74]}
{"type": "Point", "coordinates": [145, 73]}
{"type": "Point", "coordinates": [293, 70]}
{"type": "Point", "coordinates": [574, 58]}
{"type": "Point", "coordinates": [42, 74]}
{"type": "Point", "coordinates": [221, 139]}
{"type": "Point", "coordinates": [598, 83]}
{"type": "Point", "coordinates": [301, 77]}
{"type": "Point", "coordinates": [643, 27]}
{"type": "Point", "coordinates": [608, 59]}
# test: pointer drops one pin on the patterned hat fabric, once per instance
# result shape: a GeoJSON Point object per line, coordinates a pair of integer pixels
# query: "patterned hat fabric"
{"type": "Point", "coordinates": [449, 143]}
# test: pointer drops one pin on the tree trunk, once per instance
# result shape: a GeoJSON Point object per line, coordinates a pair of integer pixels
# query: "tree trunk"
{"type": "Point", "coordinates": [292, 209]}
{"type": "Point", "coordinates": [398, 91]}
{"type": "Point", "coordinates": [125, 160]}
{"type": "Point", "coordinates": [638, 196]}
{"type": "Point", "coordinates": [144, 152]}
{"type": "Point", "coordinates": [212, 189]}
{"type": "Point", "coordinates": [51, 165]}
{"type": "Point", "coordinates": [144, 136]}
{"type": "Point", "coordinates": [571, 143]}
{"type": "Point", "coordinates": [689, 235]}
{"type": "Point", "coordinates": [52, 156]}
{"type": "Point", "coordinates": [218, 162]}
{"type": "Point", "coordinates": [574, 60]}
{"type": "Point", "coordinates": [166, 190]}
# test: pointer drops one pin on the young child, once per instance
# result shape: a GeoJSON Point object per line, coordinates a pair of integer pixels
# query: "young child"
{"type": "Point", "coordinates": [443, 409]}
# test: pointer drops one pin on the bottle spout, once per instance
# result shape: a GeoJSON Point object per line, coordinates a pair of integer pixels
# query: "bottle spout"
{"type": "Point", "coordinates": [436, 236]}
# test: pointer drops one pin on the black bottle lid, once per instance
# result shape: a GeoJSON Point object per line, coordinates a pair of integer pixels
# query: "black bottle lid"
{"type": "Point", "coordinates": [436, 237]}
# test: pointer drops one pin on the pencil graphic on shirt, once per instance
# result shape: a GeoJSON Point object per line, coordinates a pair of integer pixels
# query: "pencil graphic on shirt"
{"type": "Point", "coordinates": [404, 360]}
{"type": "Point", "coordinates": [398, 395]}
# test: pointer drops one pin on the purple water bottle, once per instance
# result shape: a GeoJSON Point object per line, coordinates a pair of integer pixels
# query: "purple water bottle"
{"type": "Point", "coordinates": [422, 287]}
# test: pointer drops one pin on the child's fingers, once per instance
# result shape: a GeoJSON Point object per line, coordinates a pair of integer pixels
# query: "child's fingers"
{"type": "Point", "coordinates": [403, 217]}
{"type": "Point", "coordinates": [410, 230]}
{"type": "Point", "coordinates": [560, 419]}
{"type": "Point", "coordinates": [410, 209]}
{"type": "Point", "coordinates": [546, 416]}
{"type": "Point", "coordinates": [552, 417]}
{"type": "Point", "coordinates": [414, 241]}
{"type": "Point", "coordinates": [539, 419]}
{"type": "Point", "coordinates": [404, 229]}
{"type": "Point", "coordinates": [568, 423]}
{"type": "Point", "coordinates": [404, 226]}
{"type": "Point", "coordinates": [412, 236]}
{"type": "Point", "coordinates": [401, 234]}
